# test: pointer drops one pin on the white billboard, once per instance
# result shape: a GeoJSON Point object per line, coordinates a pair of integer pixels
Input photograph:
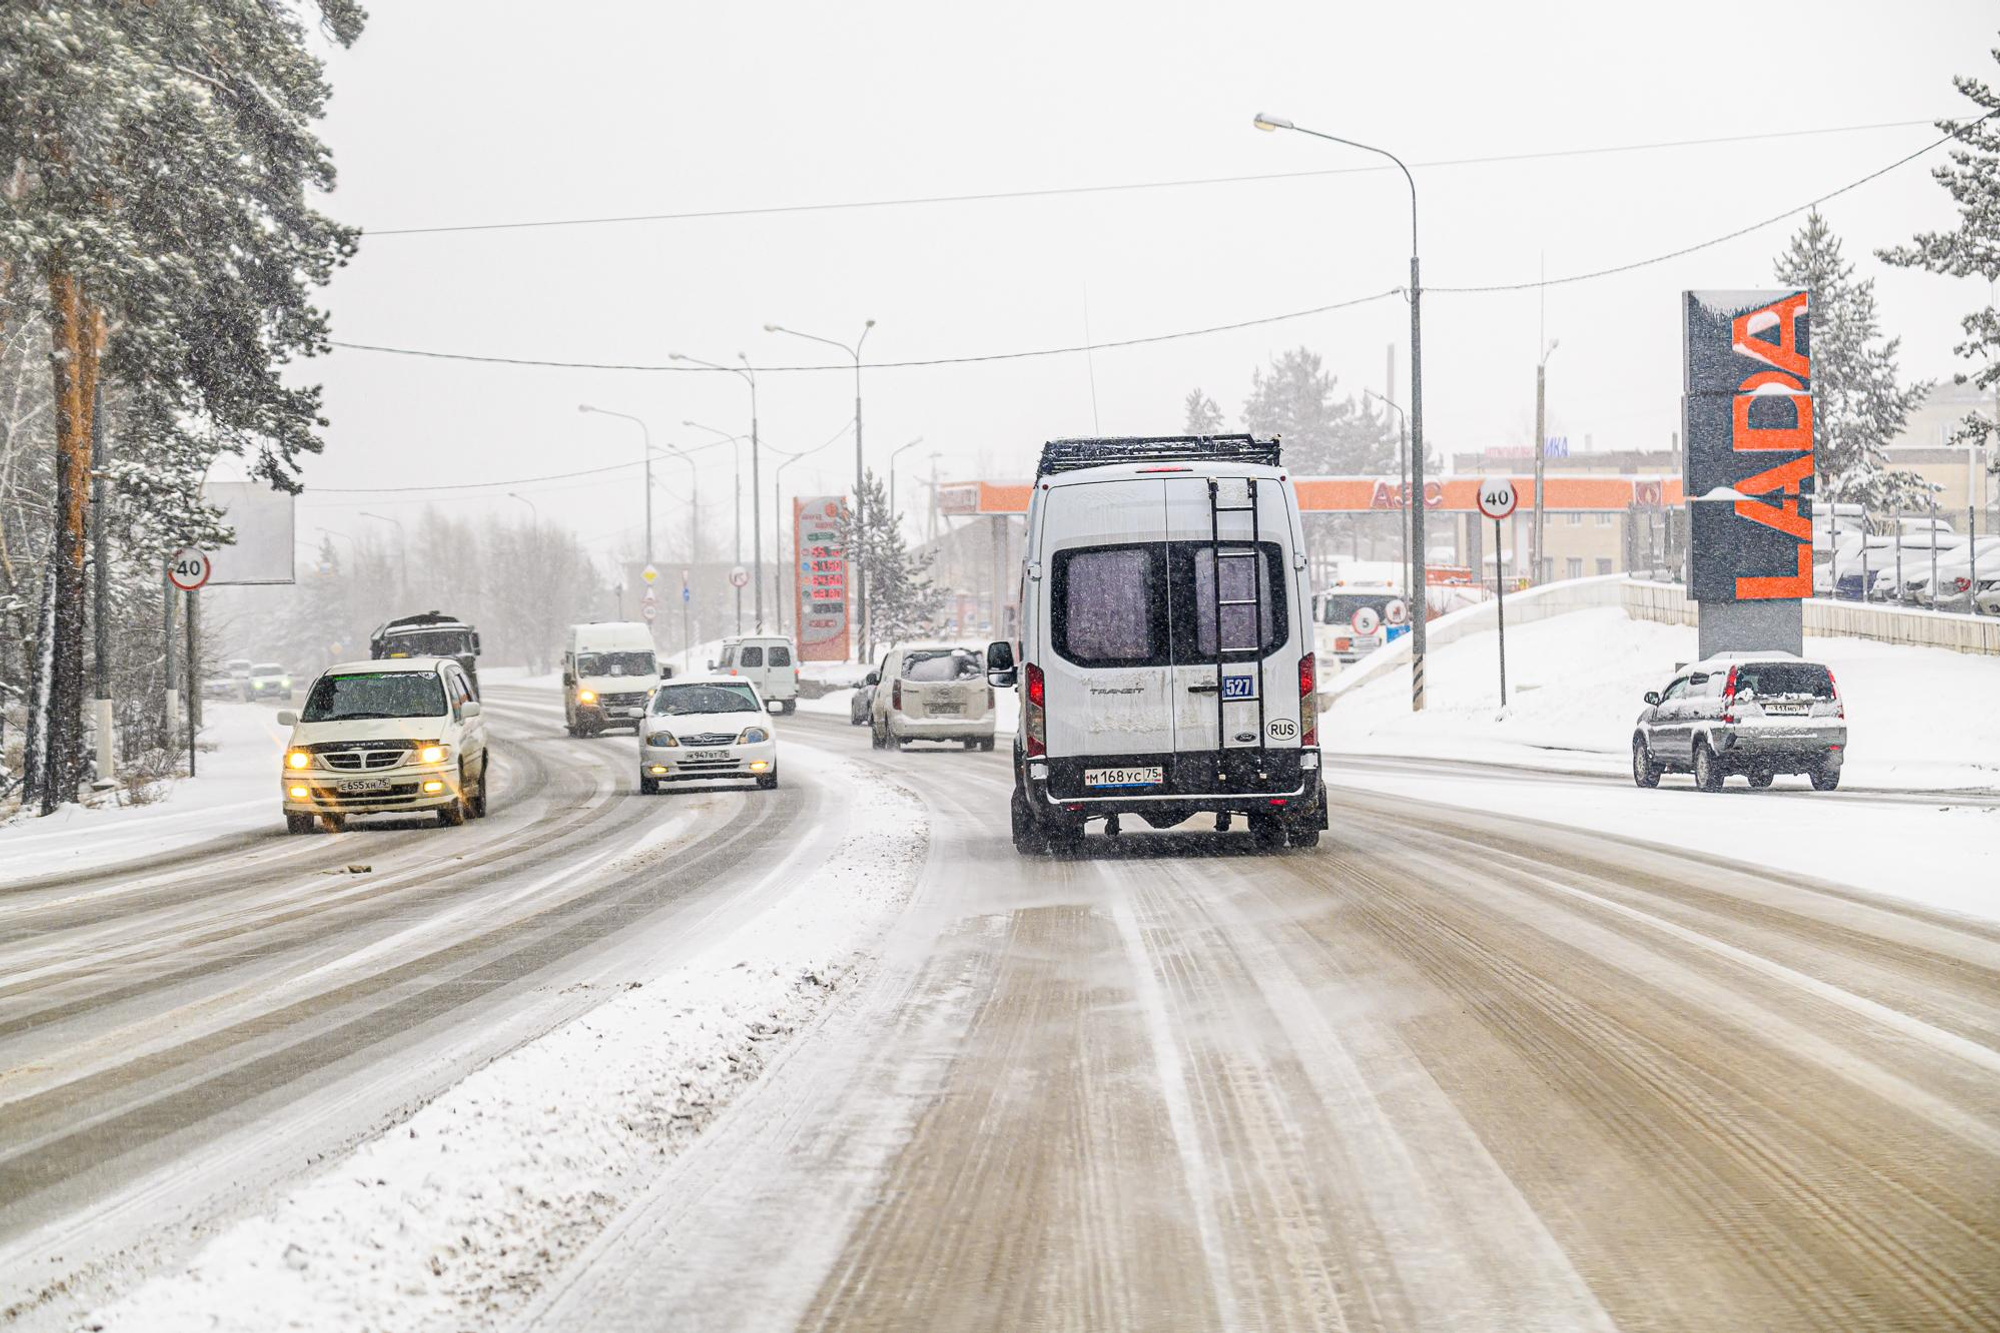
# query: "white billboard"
{"type": "Point", "coordinates": [262, 518]}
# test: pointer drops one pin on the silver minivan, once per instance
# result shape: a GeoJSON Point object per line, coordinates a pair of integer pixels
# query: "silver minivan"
{"type": "Point", "coordinates": [1166, 660]}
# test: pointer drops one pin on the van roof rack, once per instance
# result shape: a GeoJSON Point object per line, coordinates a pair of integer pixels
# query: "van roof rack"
{"type": "Point", "coordinates": [1069, 455]}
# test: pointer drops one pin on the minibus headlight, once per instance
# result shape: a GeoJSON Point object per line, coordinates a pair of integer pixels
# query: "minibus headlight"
{"type": "Point", "coordinates": [586, 696]}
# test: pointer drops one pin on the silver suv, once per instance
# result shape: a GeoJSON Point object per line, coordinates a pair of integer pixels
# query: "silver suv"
{"type": "Point", "coordinates": [1757, 714]}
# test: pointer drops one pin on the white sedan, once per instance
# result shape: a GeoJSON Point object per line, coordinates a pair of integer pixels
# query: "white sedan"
{"type": "Point", "coordinates": [708, 729]}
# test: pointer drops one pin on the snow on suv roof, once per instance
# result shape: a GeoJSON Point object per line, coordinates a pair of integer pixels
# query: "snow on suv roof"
{"type": "Point", "coordinates": [371, 665]}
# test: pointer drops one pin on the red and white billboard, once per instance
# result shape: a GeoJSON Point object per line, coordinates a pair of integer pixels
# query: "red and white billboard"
{"type": "Point", "coordinates": [822, 578]}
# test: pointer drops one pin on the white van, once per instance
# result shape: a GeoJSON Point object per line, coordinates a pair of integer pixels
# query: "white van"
{"type": "Point", "coordinates": [609, 670]}
{"type": "Point", "coordinates": [768, 661]}
{"type": "Point", "coordinates": [1132, 702]}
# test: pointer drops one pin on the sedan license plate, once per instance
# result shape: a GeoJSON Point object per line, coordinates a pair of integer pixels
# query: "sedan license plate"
{"type": "Point", "coordinates": [1150, 775]}
{"type": "Point", "coordinates": [708, 756]}
{"type": "Point", "coordinates": [360, 785]}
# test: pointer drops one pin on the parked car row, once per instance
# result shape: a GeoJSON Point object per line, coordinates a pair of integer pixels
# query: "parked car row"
{"type": "Point", "coordinates": [1933, 567]}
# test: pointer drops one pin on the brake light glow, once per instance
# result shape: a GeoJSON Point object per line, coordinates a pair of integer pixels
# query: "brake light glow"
{"type": "Point", "coordinates": [1729, 692]}
{"type": "Point", "coordinates": [1036, 713]}
{"type": "Point", "coordinates": [1166, 469]}
{"type": "Point", "coordinates": [1308, 713]}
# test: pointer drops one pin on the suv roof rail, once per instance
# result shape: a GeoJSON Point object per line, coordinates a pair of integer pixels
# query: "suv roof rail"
{"type": "Point", "coordinates": [1070, 455]}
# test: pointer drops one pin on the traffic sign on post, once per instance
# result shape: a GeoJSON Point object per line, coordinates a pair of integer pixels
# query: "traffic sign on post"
{"type": "Point", "coordinates": [1497, 501]}
{"type": "Point", "coordinates": [649, 573]}
{"type": "Point", "coordinates": [739, 577]}
{"type": "Point", "coordinates": [649, 609]}
{"type": "Point", "coordinates": [189, 569]}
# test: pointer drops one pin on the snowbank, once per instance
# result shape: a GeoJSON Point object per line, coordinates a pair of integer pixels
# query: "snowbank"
{"type": "Point", "coordinates": [1918, 718]}
{"type": "Point", "coordinates": [454, 1218]}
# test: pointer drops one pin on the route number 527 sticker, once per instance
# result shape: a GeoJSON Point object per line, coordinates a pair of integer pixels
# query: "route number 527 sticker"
{"type": "Point", "coordinates": [1282, 728]}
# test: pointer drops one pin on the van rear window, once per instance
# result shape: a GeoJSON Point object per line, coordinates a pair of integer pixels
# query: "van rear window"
{"type": "Point", "coordinates": [1108, 606]}
{"type": "Point", "coordinates": [781, 655]}
{"type": "Point", "coordinates": [752, 657]}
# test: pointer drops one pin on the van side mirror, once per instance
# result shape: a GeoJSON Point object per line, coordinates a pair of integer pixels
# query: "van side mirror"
{"type": "Point", "coordinates": [287, 718]}
{"type": "Point", "coordinates": [1652, 696]}
{"type": "Point", "coordinates": [1000, 655]}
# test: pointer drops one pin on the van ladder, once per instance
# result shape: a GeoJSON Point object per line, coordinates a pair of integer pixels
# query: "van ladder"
{"type": "Point", "coordinates": [1220, 551]}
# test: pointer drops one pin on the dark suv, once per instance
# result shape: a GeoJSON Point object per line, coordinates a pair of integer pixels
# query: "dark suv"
{"type": "Point", "coordinates": [1757, 714]}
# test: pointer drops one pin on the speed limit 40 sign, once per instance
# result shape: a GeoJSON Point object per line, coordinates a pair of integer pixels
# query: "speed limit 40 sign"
{"type": "Point", "coordinates": [189, 569]}
{"type": "Point", "coordinates": [1497, 498]}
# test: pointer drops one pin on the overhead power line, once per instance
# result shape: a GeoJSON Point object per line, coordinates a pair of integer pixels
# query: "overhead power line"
{"type": "Point", "coordinates": [991, 196]}
{"type": "Point", "coordinates": [1070, 349]}
{"type": "Point", "coordinates": [1719, 240]}
{"type": "Point", "coordinates": [511, 481]}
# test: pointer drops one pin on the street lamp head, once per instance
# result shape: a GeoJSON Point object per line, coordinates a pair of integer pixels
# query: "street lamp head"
{"type": "Point", "coordinates": [585, 407]}
{"type": "Point", "coordinates": [770, 328]}
{"type": "Point", "coordinates": [1271, 123]}
{"type": "Point", "coordinates": [675, 356]}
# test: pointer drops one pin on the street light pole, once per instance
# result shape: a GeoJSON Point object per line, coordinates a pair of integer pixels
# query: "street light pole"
{"type": "Point", "coordinates": [402, 553]}
{"type": "Point", "coordinates": [892, 472]}
{"type": "Point", "coordinates": [1402, 480]}
{"type": "Point", "coordinates": [646, 437]}
{"type": "Point", "coordinates": [1541, 453]}
{"type": "Point", "coordinates": [1419, 608]}
{"type": "Point", "coordinates": [727, 438]}
{"type": "Point", "coordinates": [514, 495]}
{"type": "Point", "coordinates": [860, 580]}
{"type": "Point", "coordinates": [748, 374]}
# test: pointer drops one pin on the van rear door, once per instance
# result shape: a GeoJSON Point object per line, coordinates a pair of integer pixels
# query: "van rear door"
{"type": "Point", "coordinates": [1235, 598]}
{"type": "Point", "coordinates": [1109, 659]}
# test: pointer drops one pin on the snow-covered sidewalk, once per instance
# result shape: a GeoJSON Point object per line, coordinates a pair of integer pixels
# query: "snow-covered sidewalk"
{"type": "Point", "coordinates": [235, 791]}
{"type": "Point", "coordinates": [455, 1217]}
{"type": "Point", "coordinates": [1918, 718]}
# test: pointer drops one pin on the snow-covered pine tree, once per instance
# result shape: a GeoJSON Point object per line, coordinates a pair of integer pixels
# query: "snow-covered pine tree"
{"type": "Point", "coordinates": [1204, 417]}
{"type": "Point", "coordinates": [163, 163]}
{"type": "Point", "coordinates": [1973, 248]}
{"type": "Point", "coordinates": [1322, 433]}
{"type": "Point", "coordinates": [902, 599]}
{"type": "Point", "coordinates": [1858, 406]}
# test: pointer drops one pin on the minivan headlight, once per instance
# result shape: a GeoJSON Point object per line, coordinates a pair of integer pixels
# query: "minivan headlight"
{"type": "Point", "coordinates": [662, 739]}
{"type": "Point", "coordinates": [753, 736]}
{"type": "Point", "coordinates": [433, 754]}
{"type": "Point", "coordinates": [298, 759]}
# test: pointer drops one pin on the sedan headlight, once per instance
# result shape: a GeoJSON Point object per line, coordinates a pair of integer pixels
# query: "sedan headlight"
{"type": "Point", "coordinates": [753, 736]}
{"type": "Point", "coordinates": [298, 759]}
{"type": "Point", "coordinates": [586, 696]}
{"type": "Point", "coordinates": [433, 754]}
{"type": "Point", "coordinates": [663, 739]}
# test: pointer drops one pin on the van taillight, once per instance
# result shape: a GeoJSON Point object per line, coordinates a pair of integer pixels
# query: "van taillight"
{"type": "Point", "coordinates": [896, 696]}
{"type": "Point", "coordinates": [1308, 713]}
{"type": "Point", "coordinates": [1035, 715]}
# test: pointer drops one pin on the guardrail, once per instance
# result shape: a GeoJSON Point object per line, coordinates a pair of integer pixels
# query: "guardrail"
{"type": "Point", "coordinates": [1826, 618]}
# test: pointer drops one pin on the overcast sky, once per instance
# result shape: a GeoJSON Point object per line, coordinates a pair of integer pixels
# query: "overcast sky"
{"type": "Point", "coordinates": [449, 112]}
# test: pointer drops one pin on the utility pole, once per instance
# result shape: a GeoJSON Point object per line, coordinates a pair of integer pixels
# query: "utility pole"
{"type": "Point", "coordinates": [1541, 452]}
{"type": "Point", "coordinates": [101, 611]}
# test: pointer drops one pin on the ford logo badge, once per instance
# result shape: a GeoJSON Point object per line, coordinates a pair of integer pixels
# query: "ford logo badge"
{"type": "Point", "coordinates": [1246, 736]}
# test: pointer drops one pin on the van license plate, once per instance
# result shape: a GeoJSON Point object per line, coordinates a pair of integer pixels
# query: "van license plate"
{"type": "Point", "coordinates": [1149, 776]}
{"type": "Point", "coordinates": [360, 785]}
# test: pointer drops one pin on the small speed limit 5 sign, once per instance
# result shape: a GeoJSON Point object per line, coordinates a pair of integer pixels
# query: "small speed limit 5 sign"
{"type": "Point", "coordinates": [189, 569]}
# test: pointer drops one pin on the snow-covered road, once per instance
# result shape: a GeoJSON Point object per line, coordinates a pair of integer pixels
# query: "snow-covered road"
{"type": "Point", "coordinates": [1467, 1065]}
